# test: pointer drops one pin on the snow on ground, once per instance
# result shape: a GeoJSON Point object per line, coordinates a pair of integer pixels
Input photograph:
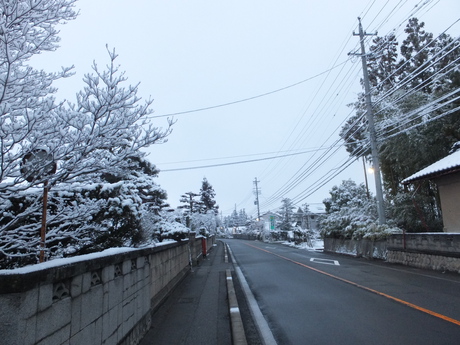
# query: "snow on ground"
{"type": "Point", "coordinates": [74, 259]}
{"type": "Point", "coordinates": [316, 245]}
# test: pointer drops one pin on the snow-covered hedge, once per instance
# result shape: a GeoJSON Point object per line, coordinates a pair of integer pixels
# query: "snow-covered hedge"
{"type": "Point", "coordinates": [352, 214]}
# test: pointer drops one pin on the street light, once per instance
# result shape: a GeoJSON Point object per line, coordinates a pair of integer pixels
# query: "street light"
{"type": "Point", "coordinates": [35, 165]}
{"type": "Point", "coordinates": [365, 178]}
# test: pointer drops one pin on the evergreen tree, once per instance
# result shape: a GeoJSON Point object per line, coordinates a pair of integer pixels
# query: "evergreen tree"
{"type": "Point", "coordinates": [348, 194]}
{"type": "Point", "coordinates": [414, 128]}
{"type": "Point", "coordinates": [207, 195]}
{"type": "Point", "coordinates": [234, 221]}
{"type": "Point", "coordinates": [242, 218]}
{"type": "Point", "coordinates": [306, 213]}
{"type": "Point", "coordinates": [87, 217]}
{"type": "Point", "coordinates": [127, 198]}
{"type": "Point", "coordinates": [415, 66]}
{"type": "Point", "coordinates": [287, 214]}
{"type": "Point", "coordinates": [348, 209]}
{"type": "Point", "coordinates": [190, 206]}
{"type": "Point", "coordinates": [382, 62]}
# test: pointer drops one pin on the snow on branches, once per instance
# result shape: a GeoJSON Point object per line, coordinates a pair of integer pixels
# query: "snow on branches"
{"type": "Point", "coordinates": [102, 184]}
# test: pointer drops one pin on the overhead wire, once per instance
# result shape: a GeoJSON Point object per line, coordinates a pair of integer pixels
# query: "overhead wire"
{"type": "Point", "coordinates": [295, 180]}
{"type": "Point", "coordinates": [315, 114]}
{"type": "Point", "coordinates": [313, 129]}
{"type": "Point", "coordinates": [239, 156]}
{"type": "Point", "coordinates": [302, 174]}
{"type": "Point", "coordinates": [411, 116]}
{"type": "Point", "coordinates": [323, 180]}
{"type": "Point", "coordinates": [350, 163]}
{"type": "Point", "coordinates": [330, 100]}
{"type": "Point", "coordinates": [307, 172]}
{"type": "Point", "coordinates": [312, 118]}
{"type": "Point", "coordinates": [239, 162]}
{"type": "Point", "coordinates": [318, 107]}
{"type": "Point", "coordinates": [248, 98]}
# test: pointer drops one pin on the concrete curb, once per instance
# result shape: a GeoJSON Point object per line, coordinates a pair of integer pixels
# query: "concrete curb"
{"type": "Point", "coordinates": [262, 325]}
{"type": "Point", "coordinates": [238, 335]}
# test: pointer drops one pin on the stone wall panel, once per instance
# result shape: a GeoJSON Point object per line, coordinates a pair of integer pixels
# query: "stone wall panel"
{"type": "Point", "coordinates": [99, 300]}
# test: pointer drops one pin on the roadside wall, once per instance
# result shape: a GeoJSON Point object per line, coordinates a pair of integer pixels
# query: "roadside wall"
{"type": "Point", "coordinates": [250, 237]}
{"type": "Point", "coordinates": [101, 298]}
{"type": "Point", "coordinates": [436, 251]}
{"type": "Point", "coordinates": [358, 248]}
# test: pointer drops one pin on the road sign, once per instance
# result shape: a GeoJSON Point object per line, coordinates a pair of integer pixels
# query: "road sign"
{"type": "Point", "coordinates": [272, 222]}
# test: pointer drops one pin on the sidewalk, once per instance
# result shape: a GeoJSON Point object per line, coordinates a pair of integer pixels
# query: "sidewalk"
{"type": "Point", "coordinates": [197, 311]}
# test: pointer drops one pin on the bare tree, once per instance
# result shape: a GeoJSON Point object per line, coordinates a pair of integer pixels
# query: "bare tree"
{"type": "Point", "coordinates": [100, 135]}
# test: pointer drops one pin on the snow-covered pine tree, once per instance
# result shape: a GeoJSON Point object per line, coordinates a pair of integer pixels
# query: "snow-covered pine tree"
{"type": "Point", "coordinates": [207, 195]}
{"type": "Point", "coordinates": [287, 214]}
{"type": "Point", "coordinates": [348, 209]}
{"type": "Point", "coordinates": [234, 219]}
{"type": "Point", "coordinates": [242, 218]}
{"type": "Point", "coordinates": [189, 206]}
{"type": "Point", "coordinates": [382, 62]}
{"type": "Point", "coordinates": [415, 67]}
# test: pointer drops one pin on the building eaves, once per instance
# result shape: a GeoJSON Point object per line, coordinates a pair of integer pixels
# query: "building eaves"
{"type": "Point", "coordinates": [444, 166]}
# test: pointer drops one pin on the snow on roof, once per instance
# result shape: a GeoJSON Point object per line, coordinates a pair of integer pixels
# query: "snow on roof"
{"type": "Point", "coordinates": [318, 208]}
{"type": "Point", "coordinates": [446, 164]}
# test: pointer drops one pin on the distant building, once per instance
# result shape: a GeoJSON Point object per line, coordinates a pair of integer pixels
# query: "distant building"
{"type": "Point", "coordinates": [269, 219]}
{"type": "Point", "coordinates": [308, 220]}
{"type": "Point", "coordinates": [446, 174]}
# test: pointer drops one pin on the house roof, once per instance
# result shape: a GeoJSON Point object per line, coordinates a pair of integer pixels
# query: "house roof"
{"type": "Point", "coordinates": [446, 165]}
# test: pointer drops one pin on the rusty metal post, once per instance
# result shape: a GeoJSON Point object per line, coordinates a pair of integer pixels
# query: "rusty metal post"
{"type": "Point", "coordinates": [43, 228]}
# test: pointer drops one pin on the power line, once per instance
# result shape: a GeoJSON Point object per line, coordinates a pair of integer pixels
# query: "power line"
{"type": "Point", "coordinates": [276, 153]}
{"type": "Point", "coordinates": [249, 98]}
{"type": "Point", "coordinates": [240, 162]}
{"type": "Point", "coordinates": [302, 173]}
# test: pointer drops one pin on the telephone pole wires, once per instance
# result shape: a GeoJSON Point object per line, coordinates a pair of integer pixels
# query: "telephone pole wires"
{"type": "Point", "coordinates": [370, 120]}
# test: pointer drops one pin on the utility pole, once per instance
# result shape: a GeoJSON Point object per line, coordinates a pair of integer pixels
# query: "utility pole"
{"type": "Point", "coordinates": [257, 198]}
{"type": "Point", "coordinates": [370, 120]}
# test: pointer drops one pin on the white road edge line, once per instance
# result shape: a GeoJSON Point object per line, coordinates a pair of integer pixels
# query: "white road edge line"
{"type": "Point", "coordinates": [264, 330]}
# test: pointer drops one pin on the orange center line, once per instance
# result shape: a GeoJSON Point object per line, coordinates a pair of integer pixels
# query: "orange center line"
{"type": "Point", "coordinates": [411, 305]}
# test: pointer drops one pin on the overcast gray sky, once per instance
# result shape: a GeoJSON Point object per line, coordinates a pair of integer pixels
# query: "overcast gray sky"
{"type": "Point", "coordinates": [191, 55]}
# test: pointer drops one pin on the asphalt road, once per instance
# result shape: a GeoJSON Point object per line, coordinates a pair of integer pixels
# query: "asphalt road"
{"type": "Point", "coordinates": [317, 298]}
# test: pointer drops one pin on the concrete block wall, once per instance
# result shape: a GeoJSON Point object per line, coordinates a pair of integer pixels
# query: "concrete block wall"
{"type": "Point", "coordinates": [426, 261]}
{"type": "Point", "coordinates": [435, 251]}
{"type": "Point", "coordinates": [359, 248]}
{"type": "Point", "coordinates": [96, 299]}
{"type": "Point", "coordinates": [428, 242]}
